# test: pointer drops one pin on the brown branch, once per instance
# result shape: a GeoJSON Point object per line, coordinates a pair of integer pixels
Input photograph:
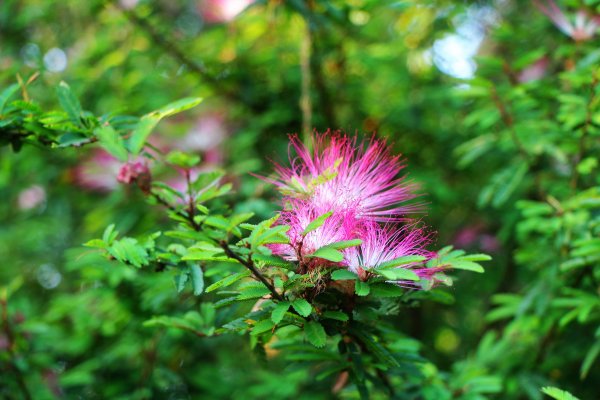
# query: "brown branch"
{"type": "Point", "coordinates": [509, 122]}
{"type": "Point", "coordinates": [11, 349]}
{"type": "Point", "coordinates": [584, 134]}
{"type": "Point", "coordinates": [250, 265]}
{"type": "Point", "coordinates": [168, 46]}
{"type": "Point", "coordinates": [175, 210]}
{"type": "Point", "coordinates": [305, 100]}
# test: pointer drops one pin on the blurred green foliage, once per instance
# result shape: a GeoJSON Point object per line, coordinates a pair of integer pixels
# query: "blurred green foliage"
{"type": "Point", "coordinates": [507, 154]}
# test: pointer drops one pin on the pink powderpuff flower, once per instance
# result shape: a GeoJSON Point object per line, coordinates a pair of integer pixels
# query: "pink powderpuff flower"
{"type": "Point", "coordinates": [584, 28]}
{"type": "Point", "coordinates": [342, 174]}
{"type": "Point", "coordinates": [31, 197]}
{"type": "Point", "coordinates": [216, 11]}
{"type": "Point", "coordinates": [132, 170]}
{"type": "Point", "coordinates": [476, 235]}
{"type": "Point", "coordinates": [102, 172]}
{"type": "Point", "coordinates": [208, 133]}
{"type": "Point", "coordinates": [383, 244]}
{"type": "Point", "coordinates": [98, 172]}
{"type": "Point", "coordinates": [337, 227]}
{"type": "Point", "coordinates": [534, 71]}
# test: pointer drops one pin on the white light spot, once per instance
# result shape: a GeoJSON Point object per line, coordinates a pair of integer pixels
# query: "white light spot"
{"type": "Point", "coordinates": [31, 55]}
{"type": "Point", "coordinates": [454, 54]}
{"type": "Point", "coordinates": [48, 276]}
{"type": "Point", "coordinates": [55, 60]}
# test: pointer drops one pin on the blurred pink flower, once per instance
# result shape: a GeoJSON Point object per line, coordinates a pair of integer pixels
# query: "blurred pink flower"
{"type": "Point", "coordinates": [128, 4]}
{"type": "Point", "coordinates": [31, 197]}
{"type": "Point", "coordinates": [475, 236]}
{"type": "Point", "coordinates": [102, 172]}
{"type": "Point", "coordinates": [98, 172]}
{"type": "Point", "coordinates": [534, 71]}
{"type": "Point", "coordinates": [206, 137]}
{"type": "Point", "coordinates": [583, 28]}
{"type": "Point", "coordinates": [216, 11]}
{"type": "Point", "coordinates": [130, 171]}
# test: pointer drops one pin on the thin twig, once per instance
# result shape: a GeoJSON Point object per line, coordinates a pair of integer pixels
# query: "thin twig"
{"type": "Point", "coordinates": [250, 265]}
{"type": "Point", "coordinates": [509, 122]}
{"type": "Point", "coordinates": [171, 48]}
{"type": "Point", "coordinates": [11, 349]}
{"type": "Point", "coordinates": [584, 133]}
{"type": "Point", "coordinates": [305, 100]}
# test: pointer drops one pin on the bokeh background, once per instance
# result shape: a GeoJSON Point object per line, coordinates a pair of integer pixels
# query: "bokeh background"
{"type": "Point", "coordinates": [439, 79]}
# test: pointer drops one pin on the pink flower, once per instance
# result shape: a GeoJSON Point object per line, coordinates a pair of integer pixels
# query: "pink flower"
{"type": "Point", "coordinates": [477, 236]}
{"type": "Point", "coordinates": [359, 184]}
{"type": "Point", "coordinates": [583, 29]}
{"type": "Point", "coordinates": [534, 71]}
{"type": "Point", "coordinates": [207, 134]}
{"type": "Point", "coordinates": [31, 197]}
{"type": "Point", "coordinates": [131, 171]}
{"type": "Point", "coordinates": [342, 174]}
{"type": "Point", "coordinates": [338, 227]}
{"type": "Point", "coordinates": [136, 171]}
{"type": "Point", "coordinates": [98, 172]}
{"type": "Point", "coordinates": [383, 244]}
{"type": "Point", "coordinates": [103, 172]}
{"type": "Point", "coordinates": [215, 11]}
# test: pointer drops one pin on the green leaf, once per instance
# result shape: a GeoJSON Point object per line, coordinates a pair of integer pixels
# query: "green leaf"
{"type": "Point", "coordinates": [253, 293]}
{"type": "Point", "coordinates": [7, 94]}
{"type": "Point", "coordinates": [376, 348]}
{"type": "Point", "coordinates": [274, 260]}
{"type": "Point", "coordinates": [238, 219]}
{"type": "Point", "coordinates": [302, 306]}
{"type": "Point", "coordinates": [343, 274]}
{"type": "Point", "coordinates": [149, 121]}
{"type": "Point", "coordinates": [279, 311]}
{"type": "Point", "coordinates": [180, 280]}
{"type": "Point", "coordinates": [382, 289]}
{"type": "Point", "coordinates": [262, 326]}
{"type": "Point", "coordinates": [337, 315]}
{"type": "Point", "coordinates": [69, 102]}
{"type": "Point", "coordinates": [178, 106]}
{"type": "Point", "coordinates": [227, 281]}
{"type": "Point", "coordinates": [96, 243]}
{"type": "Point", "coordinates": [328, 253]}
{"type": "Point", "coordinates": [109, 234]}
{"type": "Point", "coordinates": [141, 132]}
{"type": "Point", "coordinates": [476, 257]}
{"type": "Point", "coordinates": [344, 244]}
{"type": "Point", "coordinates": [171, 322]}
{"type": "Point", "coordinates": [128, 250]}
{"type": "Point", "coordinates": [558, 394]}
{"type": "Point", "coordinates": [396, 262]}
{"type": "Point", "coordinates": [111, 141]}
{"type": "Point", "coordinates": [315, 334]}
{"type": "Point", "coordinates": [331, 370]}
{"type": "Point", "coordinates": [467, 265]}
{"type": "Point", "coordinates": [316, 223]}
{"type": "Point", "coordinates": [361, 288]}
{"type": "Point", "coordinates": [197, 279]}
{"type": "Point", "coordinates": [398, 274]}
{"type": "Point", "coordinates": [182, 159]}
{"type": "Point", "coordinates": [590, 357]}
